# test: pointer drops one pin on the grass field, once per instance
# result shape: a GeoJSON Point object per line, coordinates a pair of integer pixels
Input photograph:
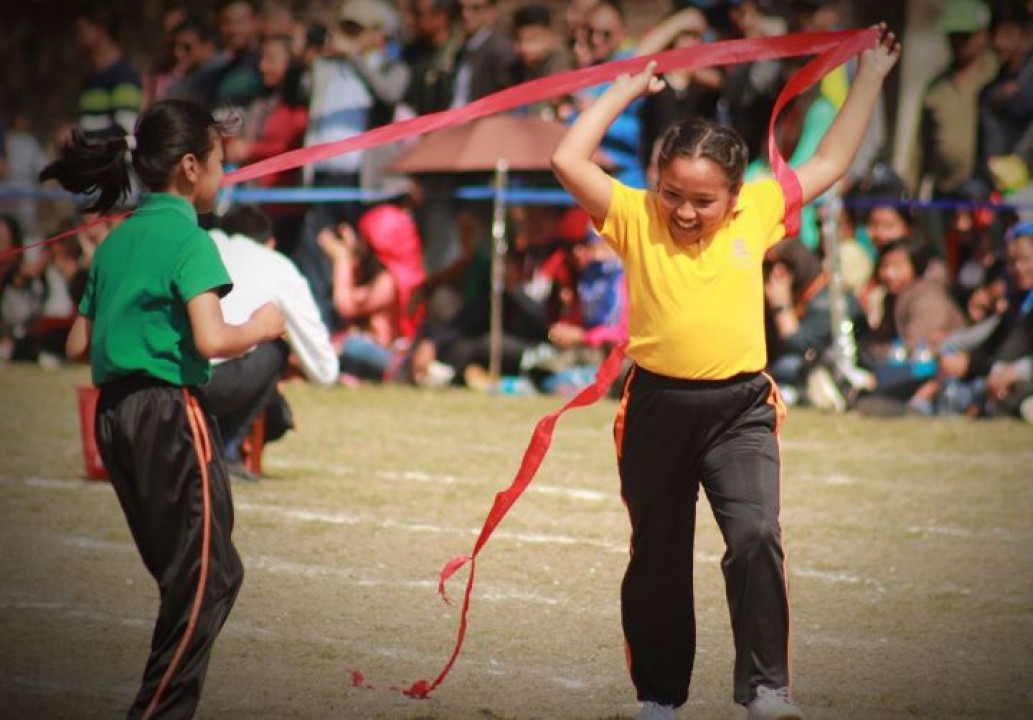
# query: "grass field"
{"type": "Point", "coordinates": [910, 543]}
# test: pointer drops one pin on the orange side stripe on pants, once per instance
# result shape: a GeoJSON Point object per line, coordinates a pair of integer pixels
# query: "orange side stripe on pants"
{"type": "Point", "coordinates": [203, 448]}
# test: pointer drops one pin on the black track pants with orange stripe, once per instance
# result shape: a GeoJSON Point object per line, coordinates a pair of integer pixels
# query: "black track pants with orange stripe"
{"type": "Point", "coordinates": [673, 436]}
{"type": "Point", "coordinates": [167, 470]}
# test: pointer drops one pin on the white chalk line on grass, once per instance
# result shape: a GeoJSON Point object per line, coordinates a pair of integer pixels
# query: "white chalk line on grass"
{"type": "Point", "coordinates": [585, 494]}
{"type": "Point", "coordinates": [336, 518]}
{"type": "Point", "coordinates": [351, 519]}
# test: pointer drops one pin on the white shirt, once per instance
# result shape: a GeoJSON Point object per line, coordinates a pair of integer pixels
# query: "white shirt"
{"type": "Point", "coordinates": [260, 275]}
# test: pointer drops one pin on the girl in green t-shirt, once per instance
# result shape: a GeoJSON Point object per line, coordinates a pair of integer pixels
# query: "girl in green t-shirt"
{"type": "Point", "coordinates": [149, 322]}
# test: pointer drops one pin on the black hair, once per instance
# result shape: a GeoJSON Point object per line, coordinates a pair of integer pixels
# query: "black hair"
{"type": "Point", "coordinates": [165, 132]}
{"type": "Point", "coordinates": [205, 31]}
{"type": "Point", "coordinates": [292, 89]}
{"type": "Point", "coordinates": [532, 15]}
{"type": "Point", "coordinates": [248, 220]}
{"type": "Point", "coordinates": [99, 13]}
{"type": "Point", "coordinates": [615, 5]}
{"type": "Point", "coordinates": [918, 252]}
{"type": "Point", "coordinates": [698, 137]}
{"type": "Point", "coordinates": [255, 6]}
{"type": "Point", "coordinates": [15, 228]}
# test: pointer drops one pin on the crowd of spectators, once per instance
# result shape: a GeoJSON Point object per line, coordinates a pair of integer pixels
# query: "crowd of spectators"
{"type": "Point", "coordinates": [938, 304]}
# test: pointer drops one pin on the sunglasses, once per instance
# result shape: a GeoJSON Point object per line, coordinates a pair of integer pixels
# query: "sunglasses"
{"type": "Point", "coordinates": [352, 28]}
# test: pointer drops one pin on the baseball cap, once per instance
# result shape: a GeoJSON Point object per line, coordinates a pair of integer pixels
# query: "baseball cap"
{"type": "Point", "coordinates": [964, 16]}
{"type": "Point", "coordinates": [369, 14]}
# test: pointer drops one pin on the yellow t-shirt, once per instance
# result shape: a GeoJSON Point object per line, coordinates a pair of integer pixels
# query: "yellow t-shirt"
{"type": "Point", "coordinates": [696, 312]}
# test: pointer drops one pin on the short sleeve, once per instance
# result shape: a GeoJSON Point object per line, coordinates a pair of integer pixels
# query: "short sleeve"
{"type": "Point", "coordinates": [200, 268]}
{"type": "Point", "coordinates": [87, 305]}
{"type": "Point", "coordinates": [625, 205]}
{"type": "Point", "coordinates": [768, 208]}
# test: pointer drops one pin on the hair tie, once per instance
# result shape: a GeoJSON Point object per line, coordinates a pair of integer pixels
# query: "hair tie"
{"type": "Point", "coordinates": [130, 143]}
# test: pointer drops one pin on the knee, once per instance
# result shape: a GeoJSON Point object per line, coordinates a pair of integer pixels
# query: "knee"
{"type": "Point", "coordinates": [756, 534]}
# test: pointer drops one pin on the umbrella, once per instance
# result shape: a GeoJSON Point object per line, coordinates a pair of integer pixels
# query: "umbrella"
{"type": "Point", "coordinates": [501, 144]}
{"type": "Point", "coordinates": [525, 143]}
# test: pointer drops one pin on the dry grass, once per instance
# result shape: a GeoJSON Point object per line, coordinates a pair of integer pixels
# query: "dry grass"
{"type": "Point", "coordinates": [911, 572]}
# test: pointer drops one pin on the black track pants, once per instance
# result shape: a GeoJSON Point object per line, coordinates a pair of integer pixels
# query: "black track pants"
{"type": "Point", "coordinates": [166, 466]}
{"type": "Point", "coordinates": [673, 436]}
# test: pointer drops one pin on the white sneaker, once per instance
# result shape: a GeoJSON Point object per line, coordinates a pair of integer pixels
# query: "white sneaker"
{"type": "Point", "coordinates": [655, 711]}
{"type": "Point", "coordinates": [822, 391]}
{"type": "Point", "coordinates": [772, 704]}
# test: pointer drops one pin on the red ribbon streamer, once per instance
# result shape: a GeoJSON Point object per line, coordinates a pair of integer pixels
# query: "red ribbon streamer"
{"type": "Point", "coordinates": [834, 48]}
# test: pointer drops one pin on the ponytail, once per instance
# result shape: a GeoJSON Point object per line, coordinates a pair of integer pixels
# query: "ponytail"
{"type": "Point", "coordinates": [91, 164]}
{"type": "Point", "coordinates": [165, 132]}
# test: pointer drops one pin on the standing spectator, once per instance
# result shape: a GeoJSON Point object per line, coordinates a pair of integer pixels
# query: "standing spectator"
{"type": "Point", "coordinates": [608, 40]}
{"type": "Point", "coordinates": [950, 110]}
{"type": "Point", "coordinates": [686, 92]}
{"type": "Point", "coordinates": [166, 68]}
{"type": "Point", "coordinates": [245, 387]}
{"type": "Point", "coordinates": [750, 89]}
{"type": "Point", "coordinates": [237, 80]}
{"type": "Point", "coordinates": [356, 86]}
{"type": "Point", "coordinates": [194, 43]}
{"type": "Point", "coordinates": [276, 122]}
{"type": "Point", "coordinates": [25, 159]}
{"type": "Point", "coordinates": [576, 17]}
{"type": "Point", "coordinates": [1006, 103]}
{"type": "Point", "coordinates": [536, 46]}
{"type": "Point", "coordinates": [432, 56]}
{"type": "Point", "coordinates": [112, 95]}
{"type": "Point", "coordinates": [485, 61]}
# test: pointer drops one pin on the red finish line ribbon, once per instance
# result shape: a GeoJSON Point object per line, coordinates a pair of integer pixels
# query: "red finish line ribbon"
{"type": "Point", "coordinates": [833, 52]}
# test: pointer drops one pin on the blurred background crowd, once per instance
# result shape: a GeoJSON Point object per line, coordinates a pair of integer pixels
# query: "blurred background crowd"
{"type": "Point", "coordinates": [932, 291]}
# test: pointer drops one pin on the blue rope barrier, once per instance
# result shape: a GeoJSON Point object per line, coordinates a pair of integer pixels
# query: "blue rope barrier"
{"type": "Point", "coordinates": [476, 193]}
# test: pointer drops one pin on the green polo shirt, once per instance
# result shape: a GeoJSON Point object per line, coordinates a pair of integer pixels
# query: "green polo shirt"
{"type": "Point", "coordinates": [141, 279]}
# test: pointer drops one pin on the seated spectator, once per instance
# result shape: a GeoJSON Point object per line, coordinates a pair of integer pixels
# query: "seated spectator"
{"type": "Point", "coordinates": [918, 312]}
{"type": "Point", "coordinates": [538, 288]}
{"type": "Point", "coordinates": [1009, 381]}
{"type": "Point", "coordinates": [798, 304]}
{"type": "Point", "coordinates": [580, 342]}
{"type": "Point", "coordinates": [375, 272]}
{"type": "Point", "coordinates": [275, 122]}
{"type": "Point", "coordinates": [243, 388]}
{"type": "Point", "coordinates": [21, 294]}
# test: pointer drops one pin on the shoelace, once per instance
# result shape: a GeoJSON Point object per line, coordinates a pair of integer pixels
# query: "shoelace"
{"type": "Point", "coordinates": [781, 693]}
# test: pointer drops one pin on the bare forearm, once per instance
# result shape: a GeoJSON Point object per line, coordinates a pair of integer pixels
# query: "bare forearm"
{"type": "Point", "coordinates": [344, 284]}
{"type": "Point", "coordinates": [843, 139]}
{"type": "Point", "coordinates": [230, 340]}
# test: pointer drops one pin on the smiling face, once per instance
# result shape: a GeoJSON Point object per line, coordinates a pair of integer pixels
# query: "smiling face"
{"type": "Point", "coordinates": [695, 198]}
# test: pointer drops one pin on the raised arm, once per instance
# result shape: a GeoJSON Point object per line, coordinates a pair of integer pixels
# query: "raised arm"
{"type": "Point", "coordinates": [572, 160]}
{"type": "Point", "coordinates": [837, 149]}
